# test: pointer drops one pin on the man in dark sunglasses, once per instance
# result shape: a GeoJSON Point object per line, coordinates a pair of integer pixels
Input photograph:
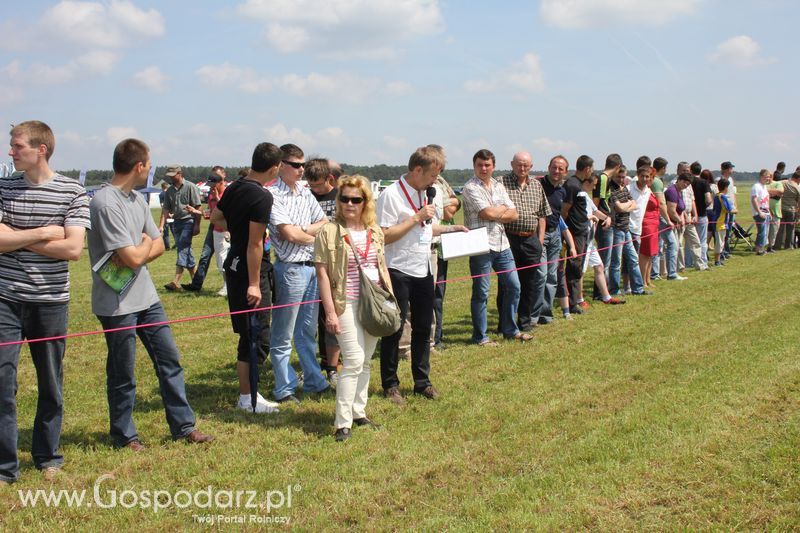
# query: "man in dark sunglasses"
{"type": "Point", "coordinates": [295, 220]}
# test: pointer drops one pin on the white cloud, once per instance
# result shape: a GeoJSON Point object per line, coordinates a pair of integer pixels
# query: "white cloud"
{"type": "Point", "coordinates": [395, 142]}
{"type": "Point", "coordinates": [596, 13]}
{"type": "Point", "coordinates": [90, 34]}
{"type": "Point", "coordinates": [117, 133]}
{"type": "Point", "coordinates": [340, 86]}
{"type": "Point", "coordinates": [554, 146]}
{"type": "Point", "coordinates": [740, 51]}
{"type": "Point", "coordinates": [344, 28]}
{"type": "Point", "coordinates": [720, 145]}
{"type": "Point", "coordinates": [524, 76]}
{"type": "Point", "coordinates": [151, 78]}
{"type": "Point", "coordinates": [325, 138]}
{"type": "Point", "coordinates": [115, 24]}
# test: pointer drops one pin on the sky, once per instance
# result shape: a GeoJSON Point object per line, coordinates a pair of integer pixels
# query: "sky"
{"type": "Point", "coordinates": [367, 81]}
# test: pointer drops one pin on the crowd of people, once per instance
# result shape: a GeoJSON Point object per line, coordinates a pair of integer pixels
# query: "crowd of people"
{"type": "Point", "coordinates": [542, 235]}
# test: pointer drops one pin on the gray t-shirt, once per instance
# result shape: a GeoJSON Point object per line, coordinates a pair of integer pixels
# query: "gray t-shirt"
{"type": "Point", "coordinates": [176, 200]}
{"type": "Point", "coordinates": [118, 220]}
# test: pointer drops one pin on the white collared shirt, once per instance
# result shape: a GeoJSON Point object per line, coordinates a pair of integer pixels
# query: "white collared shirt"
{"type": "Point", "coordinates": [296, 208]}
{"type": "Point", "coordinates": [407, 254]}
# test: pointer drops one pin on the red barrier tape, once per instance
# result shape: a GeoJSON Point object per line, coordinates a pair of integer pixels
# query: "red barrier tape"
{"type": "Point", "coordinates": [218, 315]}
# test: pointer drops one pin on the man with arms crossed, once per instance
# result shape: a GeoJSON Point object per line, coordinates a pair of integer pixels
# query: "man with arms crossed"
{"type": "Point", "coordinates": [122, 225]}
{"type": "Point", "coordinates": [526, 235]}
{"type": "Point", "coordinates": [295, 220]}
{"type": "Point", "coordinates": [487, 205]}
{"type": "Point", "coordinates": [43, 219]}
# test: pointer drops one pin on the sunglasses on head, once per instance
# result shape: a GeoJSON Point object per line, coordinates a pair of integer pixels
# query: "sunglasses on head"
{"type": "Point", "coordinates": [355, 200]}
{"type": "Point", "coordinates": [294, 164]}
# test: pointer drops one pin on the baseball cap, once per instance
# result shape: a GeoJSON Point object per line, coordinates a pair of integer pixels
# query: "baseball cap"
{"type": "Point", "coordinates": [726, 165]}
{"type": "Point", "coordinates": [173, 170]}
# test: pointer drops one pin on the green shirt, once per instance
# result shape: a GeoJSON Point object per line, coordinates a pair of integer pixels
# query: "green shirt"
{"type": "Point", "coordinates": [657, 185]}
{"type": "Point", "coordinates": [775, 202]}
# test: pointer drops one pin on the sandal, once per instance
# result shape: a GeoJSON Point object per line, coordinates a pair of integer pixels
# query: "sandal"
{"type": "Point", "coordinates": [172, 286]}
{"type": "Point", "coordinates": [488, 342]}
{"type": "Point", "coordinates": [522, 337]}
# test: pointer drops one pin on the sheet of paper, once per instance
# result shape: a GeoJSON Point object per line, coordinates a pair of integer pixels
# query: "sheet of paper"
{"type": "Point", "coordinates": [461, 244]}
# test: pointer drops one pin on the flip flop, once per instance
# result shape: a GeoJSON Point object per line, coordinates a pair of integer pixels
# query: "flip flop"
{"type": "Point", "coordinates": [488, 342]}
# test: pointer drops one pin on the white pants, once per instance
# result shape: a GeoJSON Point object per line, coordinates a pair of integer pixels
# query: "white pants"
{"type": "Point", "coordinates": [357, 347]}
{"type": "Point", "coordinates": [221, 248]}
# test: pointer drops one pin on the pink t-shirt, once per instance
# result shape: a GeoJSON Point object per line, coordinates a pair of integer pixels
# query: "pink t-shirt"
{"type": "Point", "coordinates": [368, 257]}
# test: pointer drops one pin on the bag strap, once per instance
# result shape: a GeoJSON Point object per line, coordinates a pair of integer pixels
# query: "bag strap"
{"type": "Point", "coordinates": [349, 240]}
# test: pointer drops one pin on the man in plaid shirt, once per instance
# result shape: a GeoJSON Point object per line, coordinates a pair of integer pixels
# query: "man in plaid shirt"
{"type": "Point", "coordinates": [525, 235]}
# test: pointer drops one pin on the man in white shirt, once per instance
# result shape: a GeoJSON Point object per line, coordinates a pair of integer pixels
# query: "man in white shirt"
{"type": "Point", "coordinates": [409, 223]}
{"type": "Point", "coordinates": [295, 220]}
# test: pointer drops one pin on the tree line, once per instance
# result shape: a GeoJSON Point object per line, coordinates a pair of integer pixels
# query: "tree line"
{"type": "Point", "coordinates": [455, 177]}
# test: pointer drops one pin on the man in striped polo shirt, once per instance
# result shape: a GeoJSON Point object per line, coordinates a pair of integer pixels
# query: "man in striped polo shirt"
{"type": "Point", "coordinates": [43, 219]}
{"type": "Point", "coordinates": [294, 222]}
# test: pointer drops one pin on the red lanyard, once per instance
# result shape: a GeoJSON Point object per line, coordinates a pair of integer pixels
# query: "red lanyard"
{"type": "Point", "coordinates": [411, 203]}
{"type": "Point", "coordinates": [365, 254]}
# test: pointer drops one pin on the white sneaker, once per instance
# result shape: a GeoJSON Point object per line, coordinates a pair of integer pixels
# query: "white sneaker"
{"type": "Point", "coordinates": [223, 291]}
{"type": "Point", "coordinates": [262, 405]}
{"type": "Point", "coordinates": [333, 378]}
{"type": "Point", "coordinates": [679, 278]}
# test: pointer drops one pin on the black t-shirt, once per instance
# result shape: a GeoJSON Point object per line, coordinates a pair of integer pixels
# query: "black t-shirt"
{"type": "Point", "coordinates": [700, 188]}
{"type": "Point", "coordinates": [244, 201]}
{"type": "Point", "coordinates": [327, 202]}
{"type": "Point", "coordinates": [602, 191]}
{"type": "Point", "coordinates": [577, 219]}
{"type": "Point", "coordinates": [555, 197]}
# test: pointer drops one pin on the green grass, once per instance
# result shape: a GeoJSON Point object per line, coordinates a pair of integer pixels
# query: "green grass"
{"type": "Point", "coordinates": [679, 410]}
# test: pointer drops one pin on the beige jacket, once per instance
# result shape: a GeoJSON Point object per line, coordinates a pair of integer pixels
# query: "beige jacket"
{"type": "Point", "coordinates": [331, 249]}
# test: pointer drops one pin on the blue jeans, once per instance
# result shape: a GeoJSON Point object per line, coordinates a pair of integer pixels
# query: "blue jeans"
{"type": "Point", "coordinates": [183, 242]}
{"type": "Point", "coordinates": [628, 251]}
{"type": "Point", "coordinates": [120, 380]}
{"type": "Point", "coordinates": [509, 284]}
{"type": "Point", "coordinates": [551, 250]}
{"type": "Point", "coordinates": [669, 246]}
{"type": "Point", "coordinates": [762, 223]}
{"type": "Point", "coordinates": [295, 283]}
{"type": "Point", "coordinates": [205, 259]}
{"type": "Point", "coordinates": [31, 321]}
{"type": "Point", "coordinates": [702, 234]}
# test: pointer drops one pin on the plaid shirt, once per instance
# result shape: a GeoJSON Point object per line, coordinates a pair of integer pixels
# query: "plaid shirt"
{"type": "Point", "coordinates": [476, 199]}
{"type": "Point", "coordinates": [531, 204]}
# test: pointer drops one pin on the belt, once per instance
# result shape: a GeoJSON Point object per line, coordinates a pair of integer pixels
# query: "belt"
{"type": "Point", "coordinates": [522, 233]}
{"type": "Point", "coordinates": [304, 263]}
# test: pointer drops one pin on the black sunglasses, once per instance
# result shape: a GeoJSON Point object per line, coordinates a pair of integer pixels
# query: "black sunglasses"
{"type": "Point", "coordinates": [355, 200]}
{"type": "Point", "coordinates": [294, 164]}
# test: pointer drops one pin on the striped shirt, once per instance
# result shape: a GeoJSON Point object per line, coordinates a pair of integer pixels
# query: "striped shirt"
{"type": "Point", "coordinates": [298, 208]}
{"type": "Point", "coordinates": [353, 289]}
{"type": "Point", "coordinates": [26, 276]}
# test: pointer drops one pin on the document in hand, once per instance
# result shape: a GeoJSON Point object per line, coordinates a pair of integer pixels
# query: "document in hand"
{"type": "Point", "coordinates": [461, 244]}
{"type": "Point", "coordinates": [117, 277]}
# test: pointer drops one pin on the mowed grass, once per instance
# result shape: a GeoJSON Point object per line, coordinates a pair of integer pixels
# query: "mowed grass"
{"type": "Point", "coordinates": [677, 410]}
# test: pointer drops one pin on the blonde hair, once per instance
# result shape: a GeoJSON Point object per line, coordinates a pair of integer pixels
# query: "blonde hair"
{"type": "Point", "coordinates": [361, 183]}
{"type": "Point", "coordinates": [38, 134]}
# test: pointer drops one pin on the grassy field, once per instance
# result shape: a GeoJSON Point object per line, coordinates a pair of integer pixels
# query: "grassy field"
{"type": "Point", "coordinates": [678, 410]}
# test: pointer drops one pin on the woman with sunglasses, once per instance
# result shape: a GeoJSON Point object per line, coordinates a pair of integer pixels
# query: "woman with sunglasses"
{"type": "Point", "coordinates": [354, 231]}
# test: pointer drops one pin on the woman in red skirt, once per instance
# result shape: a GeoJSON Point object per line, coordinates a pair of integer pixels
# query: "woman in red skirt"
{"type": "Point", "coordinates": [649, 244]}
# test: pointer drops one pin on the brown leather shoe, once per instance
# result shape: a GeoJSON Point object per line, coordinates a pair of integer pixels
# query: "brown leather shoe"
{"type": "Point", "coordinates": [135, 446]}
{"type": "Point", "coordinates": [429, 392]}
{"type": "Point", "coordinates": [393, 395]}
{"type": "Point", "coordinates": [196, 437]}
